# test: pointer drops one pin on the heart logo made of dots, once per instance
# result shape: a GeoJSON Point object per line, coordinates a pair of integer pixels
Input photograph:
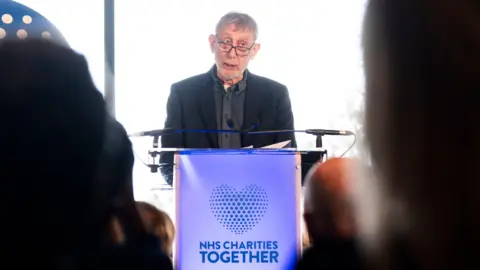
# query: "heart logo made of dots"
{"type": "Point", "coordinates": [239, 212]}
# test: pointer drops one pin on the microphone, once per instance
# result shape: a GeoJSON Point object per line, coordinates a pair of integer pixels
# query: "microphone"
{"type": "Point", "coordinates": [231, 125]}
{"type": "Point", "coordinates": [321, 132]}
{"type": "Point", "coordinates": [155, 132]}
{"type": "Point", "coordinates": [166, 131]}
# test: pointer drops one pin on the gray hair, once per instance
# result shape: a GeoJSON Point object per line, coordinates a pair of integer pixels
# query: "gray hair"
{"type": "Point", "coordinates": [241, 20]}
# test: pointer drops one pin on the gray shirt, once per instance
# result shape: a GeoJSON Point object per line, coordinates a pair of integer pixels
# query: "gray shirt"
{"type": "Point", "coordinates": [229, 107]}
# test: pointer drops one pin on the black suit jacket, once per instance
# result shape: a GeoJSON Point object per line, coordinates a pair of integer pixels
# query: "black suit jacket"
{"type": "Point", "coordinates": [191, 105]}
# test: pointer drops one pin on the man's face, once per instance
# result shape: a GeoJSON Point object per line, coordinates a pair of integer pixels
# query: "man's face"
{"type": "Point", "coordinates": [233, 47]}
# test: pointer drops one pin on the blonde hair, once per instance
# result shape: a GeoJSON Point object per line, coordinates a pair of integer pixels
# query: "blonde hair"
{"type": "Point", "coordinates": [156, 222]}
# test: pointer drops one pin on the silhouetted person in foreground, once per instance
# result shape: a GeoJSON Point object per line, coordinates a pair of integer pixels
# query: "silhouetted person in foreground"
{"type": "Point", "coordinates": [329, 217]}
{"type": "Point", "coordinates": [422, 65]}
{"type": "Point", "coordinates": [65, 167]}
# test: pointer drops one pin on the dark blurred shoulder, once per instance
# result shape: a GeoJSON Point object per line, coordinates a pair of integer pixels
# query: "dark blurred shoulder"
{"type": "Point", "coordinates": [124, 258]}
{"type": "Point", "coordinates": [343, 255]}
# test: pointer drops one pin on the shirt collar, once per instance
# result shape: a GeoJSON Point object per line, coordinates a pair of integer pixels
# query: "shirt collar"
{"type": "Point", "coordinates": [237, 88]}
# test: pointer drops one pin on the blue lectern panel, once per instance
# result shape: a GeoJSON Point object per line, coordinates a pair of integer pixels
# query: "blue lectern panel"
{"type": "Point", "coordinates": [237, 210]}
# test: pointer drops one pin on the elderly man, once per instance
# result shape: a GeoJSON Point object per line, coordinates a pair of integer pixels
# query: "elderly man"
{"type": "Point", "coordinates": [329, 217]}
{"type": "Point", "coordinates": [228, 96]}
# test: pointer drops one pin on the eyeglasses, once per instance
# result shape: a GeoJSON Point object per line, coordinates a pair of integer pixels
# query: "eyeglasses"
{"type": "Point", "coordinates": [225, 46]}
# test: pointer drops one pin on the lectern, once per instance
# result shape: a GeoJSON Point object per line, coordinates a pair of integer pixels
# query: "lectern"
{"type": "Point", "coordinates": [237, 209]}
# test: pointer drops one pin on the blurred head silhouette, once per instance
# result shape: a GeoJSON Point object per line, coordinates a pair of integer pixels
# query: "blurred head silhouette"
{"type": "Point", "coordinates": [328, 211]}
{"type": "Point", "coordinates": [422, 65]}
{"type": "Point", "coordinates": [64, 162]}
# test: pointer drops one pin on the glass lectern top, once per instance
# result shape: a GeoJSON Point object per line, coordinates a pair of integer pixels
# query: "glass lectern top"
{"type": "Point", "coordinates": [246, 151]}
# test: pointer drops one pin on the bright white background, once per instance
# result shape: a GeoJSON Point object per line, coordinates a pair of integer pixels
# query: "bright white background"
{"type": "Point", "coordinates": [312, 46]}
{"type": "Point", "coordinates": [81, 23]}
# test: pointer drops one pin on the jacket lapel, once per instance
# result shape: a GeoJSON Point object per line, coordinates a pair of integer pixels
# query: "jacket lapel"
{"type": "Point", "coordinates": [207, 109]}
{"type": "Point", "coordinates": [252, 107]}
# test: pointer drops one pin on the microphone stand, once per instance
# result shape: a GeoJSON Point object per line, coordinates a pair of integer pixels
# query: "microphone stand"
{"type": "Point", "coordinates": [155, 141]}
{"type": "Point", "coordinates": [319, 142]}
{"type": "Point", "coordinates": [153, 165]}
{"type": "Point", "coordinates": [153, 154]}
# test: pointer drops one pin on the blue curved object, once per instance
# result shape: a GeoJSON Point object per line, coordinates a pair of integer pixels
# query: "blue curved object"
{"type": "Point", "coordinates": [14, 24]}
